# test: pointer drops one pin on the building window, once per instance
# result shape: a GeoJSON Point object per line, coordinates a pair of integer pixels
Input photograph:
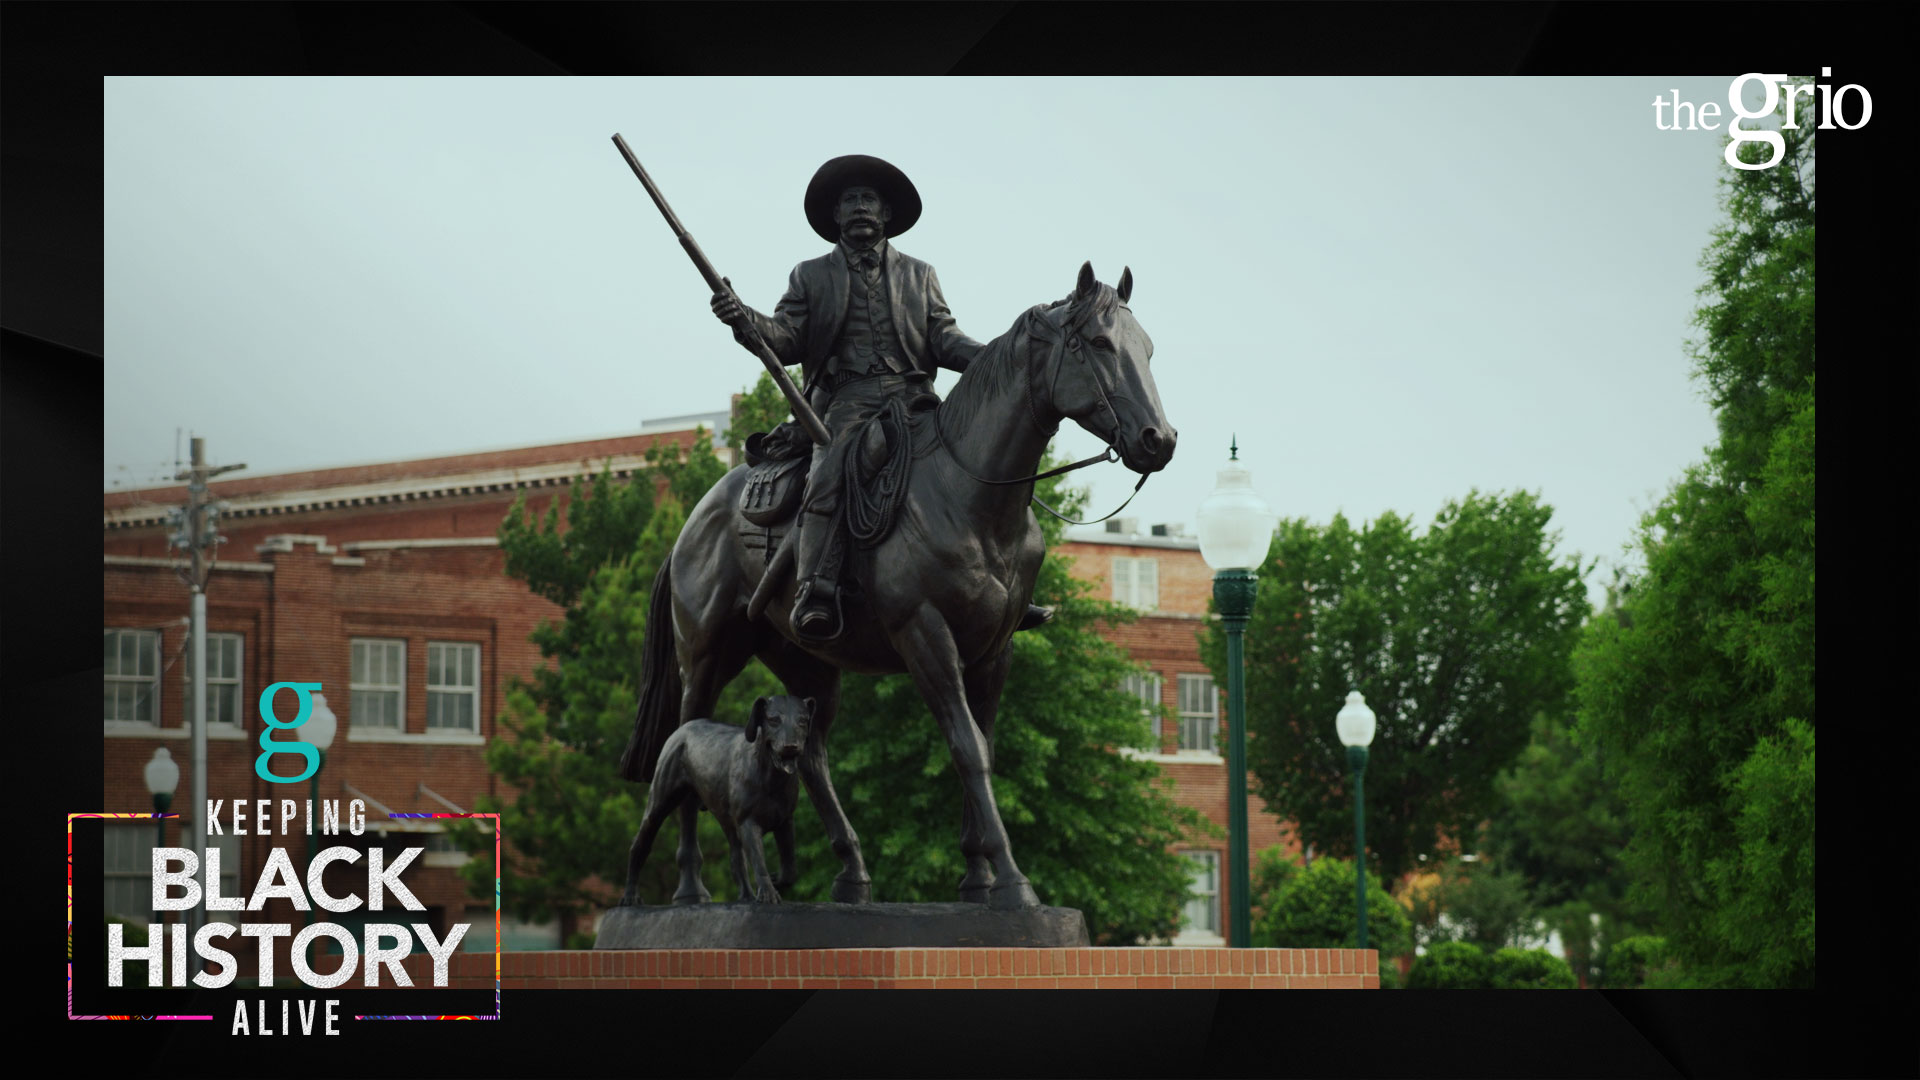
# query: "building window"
{"type": "Point", "coordinates": [453, 687]}
{"type": "Point", "coordinates": [132, 662]}
{"type": "Point", "coordinates": [1203, 901]}
{"type": "Point", "coordinates": [129, 869]}
{"type": "Point", "coordinates": [378, 683]}
{"type": "Point", "coordinates": [223, 681]}
{"type": "Point", "coordinates": [1147, 689]}
{"type": "Point", "coordinates": [1136, 582]}
{"type": "Point", "coordinates": [1199, 713]}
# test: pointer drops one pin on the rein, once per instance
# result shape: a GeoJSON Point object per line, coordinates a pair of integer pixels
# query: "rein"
{"type": "Point", "coordinates": [1109, 454]}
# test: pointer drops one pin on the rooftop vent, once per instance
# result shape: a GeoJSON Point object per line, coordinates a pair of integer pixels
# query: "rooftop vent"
{"type": "Point", "coordinates": [1123, 525]}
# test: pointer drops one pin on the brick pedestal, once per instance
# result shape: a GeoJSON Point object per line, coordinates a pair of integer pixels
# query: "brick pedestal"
{"type": "Point", "coordinates": [922, 969]}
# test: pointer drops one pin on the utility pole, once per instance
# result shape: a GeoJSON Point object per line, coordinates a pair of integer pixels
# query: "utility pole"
{"type": "Point", "coordinates": [196, 531]}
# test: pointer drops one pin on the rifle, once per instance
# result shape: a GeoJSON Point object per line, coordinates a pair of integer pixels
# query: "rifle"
{"type": "Point", "coordinates": [809, 420]}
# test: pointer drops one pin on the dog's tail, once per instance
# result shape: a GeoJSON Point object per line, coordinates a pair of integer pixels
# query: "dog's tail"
{"type": "Point", "coordinates": [660, 689]}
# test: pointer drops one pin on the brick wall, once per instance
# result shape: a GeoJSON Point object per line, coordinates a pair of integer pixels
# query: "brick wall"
{"type": "Point", "coordinates": [914, 969]}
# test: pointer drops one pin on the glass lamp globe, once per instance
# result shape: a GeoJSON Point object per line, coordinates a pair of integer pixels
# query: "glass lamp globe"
{"type": "Point", "coordinates": [321, 725]}
{"type": "Point", "coordinates": [1236, 524]}
{"type": "Point", "coordinates": [1355, 721]}
{"type": "Point", "coordinates": [162, 773]}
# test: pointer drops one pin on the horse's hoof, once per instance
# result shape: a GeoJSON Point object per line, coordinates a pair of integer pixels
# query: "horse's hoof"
{"type": "Point", "coordinates": [976, 894]}
{"type": "Point", "coordinates": [700, 897]}
{"type": "Point", "coordinates": [1012, 896]}
{"type": "Point", "coordinates": [852, 892]}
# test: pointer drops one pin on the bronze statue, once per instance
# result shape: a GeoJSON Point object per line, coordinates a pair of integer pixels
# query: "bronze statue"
{"type": "Point", "coordinates": [940, 552]}
{"type": "Point", "coordinates": [745, 779]}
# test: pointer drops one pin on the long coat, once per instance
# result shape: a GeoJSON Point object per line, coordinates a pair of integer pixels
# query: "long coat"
{"type": "Point", "coordinates": [806, 323]}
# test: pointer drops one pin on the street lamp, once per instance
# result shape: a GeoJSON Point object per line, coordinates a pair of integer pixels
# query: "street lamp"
{"type": "Point", "coordinates": [1355, 724]}
{"type": "Point", "coordinates": [1236, 526]}
{"type": "Point", "coordinates": [163, 778]}
{"type": "Point", "coordinates": [318, 732]}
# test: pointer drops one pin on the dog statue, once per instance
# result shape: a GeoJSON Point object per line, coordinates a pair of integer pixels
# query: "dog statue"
{"type": "Point", "coordinates": [745, 779]}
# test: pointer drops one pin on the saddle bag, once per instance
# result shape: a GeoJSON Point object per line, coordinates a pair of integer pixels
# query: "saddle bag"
{"type": "Point", "coordinates": [776, 476]}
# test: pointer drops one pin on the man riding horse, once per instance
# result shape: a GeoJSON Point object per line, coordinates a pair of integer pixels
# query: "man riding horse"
{"type": "Point", "coordinates": [867, 325]}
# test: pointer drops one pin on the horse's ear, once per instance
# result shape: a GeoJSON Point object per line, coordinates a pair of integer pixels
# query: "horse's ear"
{"type": "Point", "coordinates": [1084, 288]}
{"type": "Point", "coordinates": [756, 718]}
{"type": "Point", "coordinates": [811, 705]}
{"type": "Point", "coordinates": [1125, 288]}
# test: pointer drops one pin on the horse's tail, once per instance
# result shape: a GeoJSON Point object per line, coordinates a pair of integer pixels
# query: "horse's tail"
{"type": "Point", "coordinates": [660, 689]}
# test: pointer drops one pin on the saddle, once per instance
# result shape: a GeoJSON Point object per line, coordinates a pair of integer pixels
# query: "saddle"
{"type": "Point", "coordinates": [776, 475]}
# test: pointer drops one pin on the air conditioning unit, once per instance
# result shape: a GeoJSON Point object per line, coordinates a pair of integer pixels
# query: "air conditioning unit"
{"type": "Point", "coordinates": [1127, 526]}
{"type": "Point", "coordinates": [1171, 529]}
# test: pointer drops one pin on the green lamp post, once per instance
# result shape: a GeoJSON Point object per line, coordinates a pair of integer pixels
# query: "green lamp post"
{"type": "Point", "coordinates": [1355, 724]}
{"type": "Point", "coordinates": [1236, 527]}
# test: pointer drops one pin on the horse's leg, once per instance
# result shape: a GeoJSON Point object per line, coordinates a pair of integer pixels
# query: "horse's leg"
{"type": "Point", "coordinates": [983, 682]}
{"type": "Point", "coordinates": [805, 675]}
{"type": "Point", "coordinates": [926, 644]}
{"type": "Point", "coordinates": [737, 857]}
{"type": "Point", "coordinates": [709, 659]}
{"type": "Point", "coordinates": [789, 870]}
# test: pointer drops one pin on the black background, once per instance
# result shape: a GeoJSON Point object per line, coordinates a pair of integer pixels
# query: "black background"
{"type": "Point", "coordinates": [53, 57]}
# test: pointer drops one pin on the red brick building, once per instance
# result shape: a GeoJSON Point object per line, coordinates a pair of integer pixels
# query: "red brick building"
{"type": "Point", "coordinates": [385, 584]}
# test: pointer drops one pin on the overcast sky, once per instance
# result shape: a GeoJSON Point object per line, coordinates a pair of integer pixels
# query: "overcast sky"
{"type": "Point", "coordinates": [1393, 290]}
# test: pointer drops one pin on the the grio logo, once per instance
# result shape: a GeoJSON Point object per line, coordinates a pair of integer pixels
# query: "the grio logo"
{"type": "Point", "coordinates": [269, 746]}
{"type": "Point", "coordinates": [1833, 113]}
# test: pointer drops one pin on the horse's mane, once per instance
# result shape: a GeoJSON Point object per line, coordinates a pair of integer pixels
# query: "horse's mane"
{"type": "Point", "coordinates": [999, 363]}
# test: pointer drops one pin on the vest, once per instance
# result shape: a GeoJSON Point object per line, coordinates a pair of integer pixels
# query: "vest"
{"type": "Point", "coordinates": [868, 342]}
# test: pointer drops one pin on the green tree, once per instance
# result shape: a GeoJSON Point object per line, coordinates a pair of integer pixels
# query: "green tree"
{"type": "Point", "coordinates": [1458, 636]}
{"type": "Point", "coordinates": [1313, 908]}
{"type": "Point", "coordinates": [761, 408]}
{"type": "Point", "coordinates": [1700, 691]}
{"type": "Point", "coordinates": [1561, 825]}
{"type": "Point", "coordinates": [1483, 904]}
{"type": "Point", "coordinates": [572, 818]}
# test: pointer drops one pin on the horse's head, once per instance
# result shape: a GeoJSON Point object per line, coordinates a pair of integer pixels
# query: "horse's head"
{"type": "Point", "coordinates": [1101, 380]}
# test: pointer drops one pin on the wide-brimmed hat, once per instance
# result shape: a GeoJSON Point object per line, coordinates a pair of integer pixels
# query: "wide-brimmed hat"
{"type": "Point", "coordinates": [859, 170]}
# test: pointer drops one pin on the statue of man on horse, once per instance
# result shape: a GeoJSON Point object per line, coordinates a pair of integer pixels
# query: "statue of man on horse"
{"type": "Point", "coordinates": [920, 505]}
{"type": "Point", "coordinates": [866, 324]}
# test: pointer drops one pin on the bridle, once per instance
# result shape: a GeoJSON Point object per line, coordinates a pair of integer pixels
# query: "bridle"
{"type": "Point", "coordinates": [1070, 341]}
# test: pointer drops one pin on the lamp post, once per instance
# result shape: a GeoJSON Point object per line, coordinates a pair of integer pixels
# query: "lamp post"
{"type": "Point", "coordinates": [1355, 724]}
{"type": "Point", "coordinates": [1236, 526]}
{"type": "Point", "coordinates": [318, 731]}
{"type": "Point", "coordinates": [162, 775]}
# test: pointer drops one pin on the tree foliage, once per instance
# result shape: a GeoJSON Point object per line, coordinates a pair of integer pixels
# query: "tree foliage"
{"type": "Point", "coordinates": [1485, 904]}
{"type": "Point", "coordinates": [1314, 908]}
{"type": "Point", "coordinates": [1529, 969]}
{"type": "Point", "coordinates": [1700, 691]}
{"type": "Point", "coordinates": [1451, 965]}
{"type": "Point", "coordinates": [1458, 636]}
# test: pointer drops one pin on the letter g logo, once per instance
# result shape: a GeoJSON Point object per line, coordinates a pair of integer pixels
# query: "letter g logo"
{"type": "Point", "coordinates": [1741, 136]}
{"type": "Point", "coordinates": [269, 746]}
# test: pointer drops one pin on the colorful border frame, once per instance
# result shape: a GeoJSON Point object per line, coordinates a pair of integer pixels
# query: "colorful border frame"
{"type": "Point", "coordinates": [117, 817]}
{"type": "Point", "coordinates": [496, 920]}
{"type": "Point", "coordinates": [156, 817]}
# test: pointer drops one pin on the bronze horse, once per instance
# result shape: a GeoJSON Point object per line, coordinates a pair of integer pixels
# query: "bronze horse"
{"type": "Point", "coordinates": [947, 586]}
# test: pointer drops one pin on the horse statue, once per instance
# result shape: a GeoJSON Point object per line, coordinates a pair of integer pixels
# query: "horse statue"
{"type": "Point", "coordinates": [948, 584]}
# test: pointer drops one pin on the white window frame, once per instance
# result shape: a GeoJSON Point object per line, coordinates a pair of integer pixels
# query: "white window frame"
{"type": "Point", "coordinates": [141, 869]}
{"type": "Point", "coordinates": [152, 682]}
{"type": "Point", "coordinates": [218, 677]}
{"type": "Point", "coordinates": [397, 687]}
{"type": "Point", "coordinates": [1193, 719]}
{"type": "Point", "coordinates": [446, 690]}
{"type": "Point", "coordinates": [1149, 688]}
{"type": "Point", "coordinates": [1132, 587]}
{"type": "Point", "coordinates": [1191, 934]}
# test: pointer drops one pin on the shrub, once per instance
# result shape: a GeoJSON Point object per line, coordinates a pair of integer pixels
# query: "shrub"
{"type": "Point", "coordinates": [1390, 977]}
{"type": "Point", "coordinates": [1630, 961]}
{"type": "Point", "coordinates": [1530, 969]}
{"type": "Point", "coordinates": [1313, 908]}
{"type": "Point", "coordinates": [1451, 965]}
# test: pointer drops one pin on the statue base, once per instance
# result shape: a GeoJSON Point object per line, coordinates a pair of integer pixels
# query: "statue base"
{"type": "Point", "coordinates": [839, 926]}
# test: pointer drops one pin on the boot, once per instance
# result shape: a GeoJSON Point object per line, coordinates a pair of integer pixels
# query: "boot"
{"type": "Point", "coordinates": [816, 615]}
{"type": "Point", "coordinates": [1035, 618]}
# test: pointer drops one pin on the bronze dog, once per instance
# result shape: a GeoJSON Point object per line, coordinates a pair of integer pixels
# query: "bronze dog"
{"type": "Point", "coordinates": [745, 779]}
